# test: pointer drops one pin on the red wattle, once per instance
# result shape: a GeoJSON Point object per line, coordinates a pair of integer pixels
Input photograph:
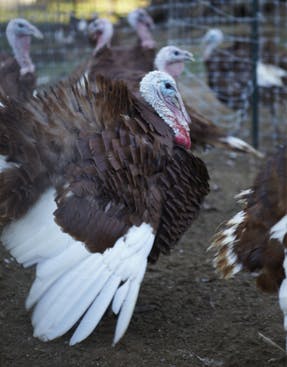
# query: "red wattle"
{"type": "Point", "coordinates": [182, 136]}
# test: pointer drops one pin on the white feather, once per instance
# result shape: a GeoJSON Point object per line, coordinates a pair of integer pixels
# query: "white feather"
{"type": "Point", "coordinates": [50, 270]}
{"type": "Point", "coordinates": [243, 194]}
{"type": "Point", "coordinates": [96, 311]}
{"type": "Point", "coordinates": [237, 219]}
{"type": "Point", "coordinates": [227, 241]}
{"type": "Point", "coordinates": [270, 75]}
{"type": "Point", "coordinates": [81, 83]}
{"type": "Point", "coordinates": [70, 281]}
{"type": "Point", "coordinates": [279, 229]}
{"type": "Point", "coordinates": [129, 304]}
{"type": "Point", "coordinates": [120, 296]}
{"type": "Point", "coordinates": [240, 145]}
{"type": "Point", "coordinates": [5, 165]}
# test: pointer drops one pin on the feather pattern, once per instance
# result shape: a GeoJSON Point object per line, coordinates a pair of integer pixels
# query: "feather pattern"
{"type": "Point", "coordinates": [93, 200]}
{"type": "Point", "coordinates": [254, 239]}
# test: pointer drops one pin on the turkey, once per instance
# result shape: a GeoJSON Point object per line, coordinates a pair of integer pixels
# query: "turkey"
{"type": "Point", "coordinates": [17, 73]}
{"type": "Point", "coordinates": [255, 239]}
{"type": "Point", "coordinates": [170, 59]}
{"type": "Point", "coordinates": [138, 57]}
{"type": "Point", "coordinates": [229, 72]}
{"type": "Point", "coordinates": [203, 132]}
{"type": "Point", "coordinates": [94, 184]}
{"type": "Point", "coordinates": [142, 23]}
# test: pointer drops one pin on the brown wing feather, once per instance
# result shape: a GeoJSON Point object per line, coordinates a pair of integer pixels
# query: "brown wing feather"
{"type": "Point", "coordinates": [185, 185]}
{"type": "Point", "coordinates": [111, 61]}
{"type": "Point", "coordinates": [114, 164]}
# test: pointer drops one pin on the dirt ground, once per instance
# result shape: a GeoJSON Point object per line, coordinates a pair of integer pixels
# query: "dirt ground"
{"type": "Point", "coordinates": [186, 315]}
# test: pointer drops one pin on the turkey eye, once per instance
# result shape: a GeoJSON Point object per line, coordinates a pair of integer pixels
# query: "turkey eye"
{"type": "Point", "coordinates": [21, 25]}
{"type": "Point", "coordinates": [168, 86]}
{"type": "Point", "coordinates": [176, 53]}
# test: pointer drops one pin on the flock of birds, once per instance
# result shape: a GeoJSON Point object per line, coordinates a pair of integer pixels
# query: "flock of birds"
{"type": "Point", "coordinates": [98, 178]}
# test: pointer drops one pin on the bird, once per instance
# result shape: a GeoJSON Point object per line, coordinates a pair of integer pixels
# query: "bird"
{"type": "Point", "coordinates": [230, 74]}
{"type": "Point", "coordinates": [140, 56]}
{"type": "Point", "coordinates": [17, 72]}
{"type": "Point", "coordinates": [142, 23]}
{"type": "Point", "coordinates": [255, 239]}
{"type": "Point", "coordinates": [170, 59]}
{"type": "Point", "coordinates": [203, 132]}
{"type": "Point", "coordinates": [95, 183]}
{"type": "Point", "coordinates": [228, 69]}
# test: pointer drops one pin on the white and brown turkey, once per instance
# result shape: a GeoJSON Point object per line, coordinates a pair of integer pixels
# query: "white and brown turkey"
{"type": "Point", "coordinates": [95, 182]}
{"type": "Point", "coordinates": [255, 239]}
{"type": "Point", "coordinates": [17, 72]}
{"type": "Point", "coordinates": [229, 73]}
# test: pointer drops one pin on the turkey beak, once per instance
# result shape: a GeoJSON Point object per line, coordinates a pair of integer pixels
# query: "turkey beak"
{"type": "Point", "coordinates": [34, 31]}
{"type": "Point", "coordinates": [188, 56]}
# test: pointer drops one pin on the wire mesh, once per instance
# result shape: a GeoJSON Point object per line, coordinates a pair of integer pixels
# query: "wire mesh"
{"type": "Point", "coordinates": [63, 24]}
{"type": "Point", "coordinates": [183, 23]}
{"type": "Point", "coordinates": [231, 79]}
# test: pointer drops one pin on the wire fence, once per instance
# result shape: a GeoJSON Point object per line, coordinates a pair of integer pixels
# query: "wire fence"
{"type": "Point", "coordinates": [252, 56]}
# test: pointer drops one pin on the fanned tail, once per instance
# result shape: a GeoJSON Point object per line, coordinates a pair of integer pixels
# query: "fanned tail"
{"type": "Point", "coordinates": [73, 284]}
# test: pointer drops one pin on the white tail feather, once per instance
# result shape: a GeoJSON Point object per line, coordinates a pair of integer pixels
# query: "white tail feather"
{"type": "Point", "coordinates": [241, 145]}
{"type": "Point", "coordinates": [50, 270]}
{"type": "Point", "coordinates": [120, 296]}
{"type": "Point", "coordinates": [129, 304]}
{"type": "Point", "coordinates": [96, 311]}
{"type": "Point", "coordinates": [70, 281]}
{"type": "Point", "coordinates": [279, 229]}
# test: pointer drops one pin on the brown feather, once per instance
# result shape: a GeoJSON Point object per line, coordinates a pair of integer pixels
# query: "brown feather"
{"type": "Point", "coordinates": [114, 164]}
{"type": "Point", "coordinates": [13, 84]}
{"type": "Point", "coordinates": [252, 245]}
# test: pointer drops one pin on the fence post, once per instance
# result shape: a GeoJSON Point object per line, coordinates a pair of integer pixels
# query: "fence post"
{"type": "Point", "coordinates": [255, 95]}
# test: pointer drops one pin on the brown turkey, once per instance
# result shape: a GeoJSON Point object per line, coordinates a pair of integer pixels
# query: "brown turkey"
{"type": "Point", "coordinates": [17, 72]}
{"type": "Point", "coordinates": [138, 57]}
{"type": "Point", "coordinates": [94, 184]}
{"type": "Point", "coordinates": [255, 239]}
{"type": "Point", "coordinates": [170, 59]}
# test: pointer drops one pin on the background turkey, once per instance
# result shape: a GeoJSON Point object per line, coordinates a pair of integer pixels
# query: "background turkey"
{"type": "Point", "coordinates": [17, 73]}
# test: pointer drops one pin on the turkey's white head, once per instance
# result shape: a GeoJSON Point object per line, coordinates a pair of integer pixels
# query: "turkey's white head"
{"type": "Point", "coordinates": [18, 33]}
{"type": "Point", "coordinates": [143, 24]}
{"type": "Point", "coordinates": [100, 31]}
{"type": "Point", "coordinates": [160, 91]}
{"type": "Point", "coordinates": [171, 59]}
{"type": "Point", "coordinates": [212, 39]}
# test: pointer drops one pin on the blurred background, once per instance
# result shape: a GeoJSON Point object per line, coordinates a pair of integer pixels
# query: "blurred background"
{"type": "Point", "coordinates": [183, 23]}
